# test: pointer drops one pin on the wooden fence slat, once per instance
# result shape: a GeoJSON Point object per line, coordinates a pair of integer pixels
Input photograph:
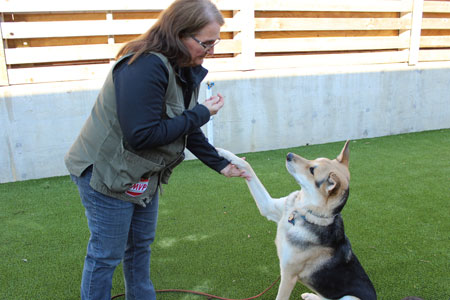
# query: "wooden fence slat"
{"type": "Point", "coordinates": [298, 61]}
{"type": "Point", "coordinates": [278, 24]}
{"type": "Point", "coordinates": [436, 7]}
{"type": "Point", "coordinates": [58, 73]}
{"type": "Point", "coordinates": [329, 44]}
{"type": "Point", "coordinates": [61, 53]}
{"type": "Point", "coordinates": [434, 41]}
{"type": "Point", "coordinates": [28, 6]}
{"type": "Point", "coordinates": [98, 71]}
{"type": "Point", "coordinates": [332, 5]}
{"type": "Point", "coordinates": [3, 69]}
{"type": "Point", "coordinates": [24, 30]}
{"type": "Point", "coordinates": [86, 52]}
{"type": "Point", "coordinates": [228, 4]}
{"type": "Point", "coordinates": [225, 64]}
{"type": "Point", "coordinates": [247, 33]}
{"type": "Point", "coordinates": [415, 32]}
{"type": "Point", "coordinates": [434, 55]}
{"type": "Point", "coordinates": [436, 23]}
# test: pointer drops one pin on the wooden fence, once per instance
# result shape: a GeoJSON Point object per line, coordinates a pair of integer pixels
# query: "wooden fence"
{"type": "Point", "coordinates": [48, 41]}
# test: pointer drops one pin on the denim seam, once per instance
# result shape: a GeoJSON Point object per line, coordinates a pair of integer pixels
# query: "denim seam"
{"type": "Point", "coordinates": [94, 220]}
{"type": "Point", "coordinates": [133, 261]}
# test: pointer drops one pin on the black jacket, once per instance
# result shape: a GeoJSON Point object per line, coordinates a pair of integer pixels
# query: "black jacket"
{"type": "Point", "coordinates": [140, 89]}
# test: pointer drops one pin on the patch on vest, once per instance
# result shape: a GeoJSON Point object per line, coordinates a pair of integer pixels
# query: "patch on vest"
{"type": "Point", "coordinates": [138, 189]}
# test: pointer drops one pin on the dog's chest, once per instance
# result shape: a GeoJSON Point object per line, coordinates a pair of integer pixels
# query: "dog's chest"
{"type": "Point", "coordinates": [295, 231]}
{"type": "Point", "coordinates": [292, 227]}
{"type": "Point", "coordinates": [298, 248]}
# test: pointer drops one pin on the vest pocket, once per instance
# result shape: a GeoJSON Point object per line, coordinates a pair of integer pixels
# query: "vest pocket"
{"type": "Point", "coordinates": [125, 168]}
{"type": "Point", "coordinates": [168, 171]}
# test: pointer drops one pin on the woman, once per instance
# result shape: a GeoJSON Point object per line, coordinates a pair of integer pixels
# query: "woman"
{"type": "Point", "coordinates": [146, 114]}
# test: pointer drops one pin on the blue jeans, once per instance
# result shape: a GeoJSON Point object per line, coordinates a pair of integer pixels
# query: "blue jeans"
{"type": "Point", "coordinates": [120, 231]}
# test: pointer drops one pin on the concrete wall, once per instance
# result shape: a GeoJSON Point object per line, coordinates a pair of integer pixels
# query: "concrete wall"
{"type": "Point", "coordinates": [264, 110]}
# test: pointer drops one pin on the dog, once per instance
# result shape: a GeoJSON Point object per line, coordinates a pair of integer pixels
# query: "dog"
{"type": "Point", "coordinates": [311, 244]}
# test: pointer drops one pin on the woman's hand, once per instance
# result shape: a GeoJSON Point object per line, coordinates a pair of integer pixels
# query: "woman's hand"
{"type": "Point", "coordinates": [232, 171]}
{"type": "Point", "coordinates": [214, 104]}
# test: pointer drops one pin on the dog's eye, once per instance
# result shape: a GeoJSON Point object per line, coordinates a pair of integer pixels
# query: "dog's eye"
{"type": "Point", "coordinates": [311, 170]}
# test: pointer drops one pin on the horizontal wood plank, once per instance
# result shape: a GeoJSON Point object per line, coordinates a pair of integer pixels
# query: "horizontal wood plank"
{"type": "Point", "coordinates": [99, 71]}
{"type": "Point", "coordinates": [434, 55]}
{"type": "Point", "coordinates": [298, 61]}
{"type": "Point", "coordinates": [86, 52]}
{"type": "Point", "coordinates": [86, 72]}
{"type": "Point", "coordinates": [28, 6]}
{"type": "Point", "coordinates": [24, 30]}
{"type": "Point", "coordinates": [434, 41]}
{"type": "Point", "coordinates": [60, 53]}
{"type": "Point", "coordinates": [436, 23]}
{"type": "Point", "coordinates": [58, 73]}
{"type": "Point", "coordinates": [225, 64]}
{"type": "Point", "coordinates": [316, 24]}
{"type": "Point", "coordinates": [436, 7]}
{"type": "Point", "coordinates": [332, 5]}
{"type": "Point", "coordinates": [329, 44]}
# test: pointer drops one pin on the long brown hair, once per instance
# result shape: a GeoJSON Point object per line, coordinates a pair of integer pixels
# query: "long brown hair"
{"type": "Point", "coordinates": [182, 18]}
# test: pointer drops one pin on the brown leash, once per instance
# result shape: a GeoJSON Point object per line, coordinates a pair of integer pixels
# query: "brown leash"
{"type": "Point", "coordinates": [208, 295]}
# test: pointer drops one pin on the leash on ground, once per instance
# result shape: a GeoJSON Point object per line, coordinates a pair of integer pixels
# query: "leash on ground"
{"type": "Point", "coordinates": [208, 295]}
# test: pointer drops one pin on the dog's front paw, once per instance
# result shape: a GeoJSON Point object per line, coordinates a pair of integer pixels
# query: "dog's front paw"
{"type": "Point", "coordinates": [238, 162]}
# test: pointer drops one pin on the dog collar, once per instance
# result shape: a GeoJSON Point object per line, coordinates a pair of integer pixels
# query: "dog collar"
{"type": "Point", "coordinates": [312, 218]}
{"type": "Point", "coordinates": [320, 216]}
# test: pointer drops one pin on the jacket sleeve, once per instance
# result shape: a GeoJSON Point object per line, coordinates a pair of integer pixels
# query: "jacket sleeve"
{"type": "Point", "coordinates": [140, 89]}
{"type": "Point", "coordinates": [198, 144]}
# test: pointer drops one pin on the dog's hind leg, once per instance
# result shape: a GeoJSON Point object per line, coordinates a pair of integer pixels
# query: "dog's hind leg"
{"type": "Point", "coordinates": [269, 207]}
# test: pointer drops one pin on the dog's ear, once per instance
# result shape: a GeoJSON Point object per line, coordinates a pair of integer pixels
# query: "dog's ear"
{"type": "Point", "coordinates": [343, 157]}
{"type": "Point", "coordinates": [334, 184]}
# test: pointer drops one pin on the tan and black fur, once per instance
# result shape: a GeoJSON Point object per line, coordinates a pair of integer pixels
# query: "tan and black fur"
{"type": "Point", "coordinates": [311, 244]}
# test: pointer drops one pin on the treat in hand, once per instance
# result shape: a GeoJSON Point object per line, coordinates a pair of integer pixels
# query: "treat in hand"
{"type": "Point", "coordinates": [214, 104]}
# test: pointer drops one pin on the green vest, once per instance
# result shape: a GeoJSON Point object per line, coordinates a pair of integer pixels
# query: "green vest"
{"type": "Point", "coordinates": [117, 167]}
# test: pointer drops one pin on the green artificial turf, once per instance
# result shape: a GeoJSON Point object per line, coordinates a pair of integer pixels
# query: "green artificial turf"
{"type": "Point", "coordinates": [211, 237]}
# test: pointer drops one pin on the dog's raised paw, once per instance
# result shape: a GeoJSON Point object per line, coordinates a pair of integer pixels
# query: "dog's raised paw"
{"type": "Point", "coordinates": [238, 162]}
{"type": "Point", "coordinates": [309, 296]}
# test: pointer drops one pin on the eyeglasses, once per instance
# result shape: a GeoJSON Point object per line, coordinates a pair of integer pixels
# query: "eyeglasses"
{"type": "Point", "coordinates": [207, 45]}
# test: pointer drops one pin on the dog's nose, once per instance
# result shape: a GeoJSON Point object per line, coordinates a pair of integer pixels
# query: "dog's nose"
{"type": "Point", "coordinates": [289, 156]}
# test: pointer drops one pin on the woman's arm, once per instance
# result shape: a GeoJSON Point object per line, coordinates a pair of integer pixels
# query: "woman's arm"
{"type": "Point", "coordinates": [140, 90]}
